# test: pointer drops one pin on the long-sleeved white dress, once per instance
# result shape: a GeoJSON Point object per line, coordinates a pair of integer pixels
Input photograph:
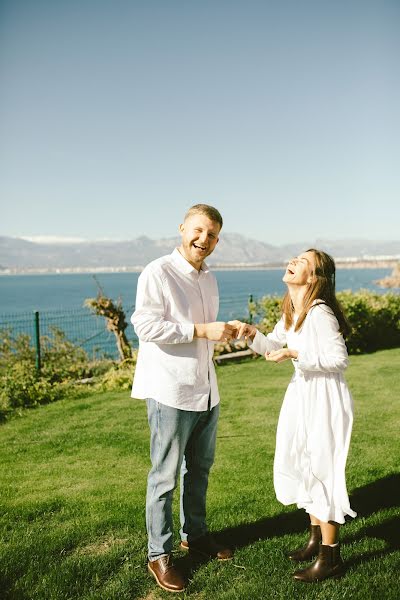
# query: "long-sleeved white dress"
{"type": "Point", "coordinates": [315, 422]}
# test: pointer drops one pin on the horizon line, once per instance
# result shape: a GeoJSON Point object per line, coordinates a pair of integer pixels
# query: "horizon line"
{"type": "Point", "coordinates": [72, 240]}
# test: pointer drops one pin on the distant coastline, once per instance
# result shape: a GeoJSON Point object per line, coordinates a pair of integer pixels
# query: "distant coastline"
{"type": "Point", "coordinates": [350, 263]}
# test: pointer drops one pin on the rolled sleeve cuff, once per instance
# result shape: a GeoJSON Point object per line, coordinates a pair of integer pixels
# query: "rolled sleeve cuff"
{"type": "Point", "coordinates": [187, 333]}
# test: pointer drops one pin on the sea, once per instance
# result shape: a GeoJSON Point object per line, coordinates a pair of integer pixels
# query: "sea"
{"type": "Point", "coordinates": [59, 298]}
{"type": "Point", "coordinates": [25, 293]}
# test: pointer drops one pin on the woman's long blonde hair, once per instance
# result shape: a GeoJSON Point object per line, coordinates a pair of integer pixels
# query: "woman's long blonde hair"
{"type": "Point", "coordinates": [322, 287]}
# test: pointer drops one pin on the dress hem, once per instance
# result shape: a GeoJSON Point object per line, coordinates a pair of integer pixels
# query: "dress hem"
{"type": "Point", "coordinates": [324, 514]}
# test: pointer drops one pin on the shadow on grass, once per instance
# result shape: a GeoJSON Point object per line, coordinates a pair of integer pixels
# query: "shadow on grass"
{"type": "Point", "coordinates": [379, 495]}
{"type": "Point", "coordinates": [189, 564]}
{"type": "Point", "coordinates": [367, 500]}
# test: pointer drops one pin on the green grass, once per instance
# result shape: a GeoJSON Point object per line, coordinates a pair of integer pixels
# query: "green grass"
{"type": "Point", "coordinates": [73, 478]}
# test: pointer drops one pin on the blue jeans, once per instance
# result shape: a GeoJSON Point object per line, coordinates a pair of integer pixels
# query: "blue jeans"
{"type": "Point", "coordinates": [184, 441]}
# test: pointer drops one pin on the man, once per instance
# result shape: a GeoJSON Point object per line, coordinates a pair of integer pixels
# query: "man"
{"type": "Point", "coordinates": [175, 321]}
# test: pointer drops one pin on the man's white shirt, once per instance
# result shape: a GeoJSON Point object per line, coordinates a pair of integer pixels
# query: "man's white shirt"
{"type": "Point", "coordinates": [173, 367]}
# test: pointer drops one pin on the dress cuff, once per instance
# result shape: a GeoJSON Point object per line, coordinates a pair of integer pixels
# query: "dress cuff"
{"type": "Point", "coordinates": [258, 344]}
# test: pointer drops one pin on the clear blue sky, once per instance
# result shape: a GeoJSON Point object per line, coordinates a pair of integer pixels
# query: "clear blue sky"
{"type": "Point", "coordinates": [116, 116]}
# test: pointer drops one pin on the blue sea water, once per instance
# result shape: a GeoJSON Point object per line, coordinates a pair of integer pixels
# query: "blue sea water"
{"type": "Point", "coordinates": [59, 298]}
{"type": "Point", "coordinates": [25, 293]}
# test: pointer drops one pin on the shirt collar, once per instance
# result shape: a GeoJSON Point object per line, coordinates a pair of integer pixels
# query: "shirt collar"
{"type": "Point", "coordinates": [184, 265]}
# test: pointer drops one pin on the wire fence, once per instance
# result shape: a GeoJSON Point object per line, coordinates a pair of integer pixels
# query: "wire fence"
{"type": "Point", "coordinates": [88, 331]}
{"type": "Point", "coordinates": [81, 327]}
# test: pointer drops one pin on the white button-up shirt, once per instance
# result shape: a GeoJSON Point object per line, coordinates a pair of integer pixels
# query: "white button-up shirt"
{"type": "Point", "coordinates": [173, 367]}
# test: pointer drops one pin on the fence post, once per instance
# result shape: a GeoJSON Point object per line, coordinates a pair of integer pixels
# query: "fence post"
{"type": "Point", "coordinates": [37, 341]}
{"type": "Point", "coordinates": [250, 302]}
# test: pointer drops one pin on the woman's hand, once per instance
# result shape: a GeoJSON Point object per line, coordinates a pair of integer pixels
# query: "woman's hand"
{"type": "Point", "coordinates": [244, 330]}
{"type": "Point", "coordinates": [280, 355]}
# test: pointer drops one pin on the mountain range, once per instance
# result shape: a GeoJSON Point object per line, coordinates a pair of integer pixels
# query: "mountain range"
{"type": "Point", "coordinates": [23, 255]}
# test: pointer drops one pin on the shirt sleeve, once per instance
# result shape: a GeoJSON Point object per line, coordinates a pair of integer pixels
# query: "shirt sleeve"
{"type": "Point", "coordinates": [149, 319]}
{"type": "Point", "coordinates": [272, 341]}
{"type": "Point", "coordinates": [329, 352]}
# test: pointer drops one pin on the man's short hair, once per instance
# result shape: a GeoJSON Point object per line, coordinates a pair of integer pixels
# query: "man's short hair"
{"type": "Point", "coordinates": [204, 209]}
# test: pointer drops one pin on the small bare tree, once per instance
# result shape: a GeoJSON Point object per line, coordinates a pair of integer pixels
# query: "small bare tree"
{"type": "Point", "coordinates": [115, 319]}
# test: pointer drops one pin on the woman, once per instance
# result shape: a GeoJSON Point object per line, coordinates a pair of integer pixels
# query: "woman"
{"type": "Point", "coordinates": [315, 422]}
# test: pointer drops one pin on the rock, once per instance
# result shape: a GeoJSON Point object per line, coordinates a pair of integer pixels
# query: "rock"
{"type": "Point", "coordinates": [393, 281]}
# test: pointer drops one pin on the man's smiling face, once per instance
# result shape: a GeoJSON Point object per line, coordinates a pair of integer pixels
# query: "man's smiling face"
{"type": "Point", "coordinates": [199, 238]}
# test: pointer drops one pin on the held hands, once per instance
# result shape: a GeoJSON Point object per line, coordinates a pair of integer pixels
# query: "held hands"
{"type": "Point", "coordinates": [280, 355]}
{"type": "Point", "coordinates": [244, 330]}
{"type": "Point", "coordinates": [217, 332]}
{"type": "Point", "coordinates": [224, 332]}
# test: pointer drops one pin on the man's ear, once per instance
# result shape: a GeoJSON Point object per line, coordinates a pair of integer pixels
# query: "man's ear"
{"type": "Point", "coordinates": [181, 227]}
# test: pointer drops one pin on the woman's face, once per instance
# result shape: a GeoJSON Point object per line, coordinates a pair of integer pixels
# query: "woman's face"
{"type": "Point", "coordinates": [300, 269]}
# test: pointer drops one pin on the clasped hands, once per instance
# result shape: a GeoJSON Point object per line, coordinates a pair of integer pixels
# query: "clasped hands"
{"type": "Point", "coordinates": [220, 331]}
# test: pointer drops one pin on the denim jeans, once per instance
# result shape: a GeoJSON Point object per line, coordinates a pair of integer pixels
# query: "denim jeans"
{"type": "Point", "coordinates": [180, 441]}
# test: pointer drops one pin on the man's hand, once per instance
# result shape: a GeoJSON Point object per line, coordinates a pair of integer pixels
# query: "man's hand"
{"type": "Point", "coordinates": [244, 330]}
{"type": "Point", "coordinates": [217, 332]}
{"type": "Point", "coordinates": [280, 355]}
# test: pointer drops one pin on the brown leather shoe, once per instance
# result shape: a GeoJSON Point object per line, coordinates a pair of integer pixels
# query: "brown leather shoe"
{"type": "Point", "coordinates": [328, 564]}
{"type": "Point", "coordinates": [207, 546]}
{"type": "Point", "coordinates": [311, 548]}
{"type": "Point", "coordinates": [166, 575]}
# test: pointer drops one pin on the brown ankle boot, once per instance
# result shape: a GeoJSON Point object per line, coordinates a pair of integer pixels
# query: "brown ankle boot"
{"type": "Point", "coordinates": [328, 564]}
{"type": "Point", "coordinates": [311, 548]}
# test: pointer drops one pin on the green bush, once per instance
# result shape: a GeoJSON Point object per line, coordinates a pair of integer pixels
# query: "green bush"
{"type": "Point", "coordinates": [22, 387]}
{"type": "Point", "coordinates": [61, 359]}
{"type": "Point", "coordinates": [20, 383]}
{"type": "Point", "coordinates": [119, 376]}
{"type": "Point", "coordinates": [64, 366]}
{"type": "Point", "coordinates": [374, 318]}
{"type": "Point", "coordinates": [266, 312]}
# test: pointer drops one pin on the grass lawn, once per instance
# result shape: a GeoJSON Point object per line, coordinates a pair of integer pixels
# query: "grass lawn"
{"type": "Point", "coordinates": [73, 477]}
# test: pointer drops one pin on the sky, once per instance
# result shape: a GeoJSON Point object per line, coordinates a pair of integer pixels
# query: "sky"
{"type": "Point", "coordinates": [117, 116]}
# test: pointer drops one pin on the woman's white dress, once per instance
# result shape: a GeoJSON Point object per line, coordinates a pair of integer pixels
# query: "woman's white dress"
{"type": "Point", "coordinates": [316, 417]}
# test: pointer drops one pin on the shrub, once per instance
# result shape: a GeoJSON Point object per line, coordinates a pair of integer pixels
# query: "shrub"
{"type": "Point", "coordinates": [120, 375]}
{"type": "Point", "coordinates": [64, 366]}
{"type": "Point", "coordinates": [62, 360]}
{"type": "Point", "coordinates": [374, 318]}
{"type": "Point", "coordinates": [20, 383]}
{"type": "Point", "coordinates": [266, 312]}
{"type": "Point", "coordinates": [22, 387]}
